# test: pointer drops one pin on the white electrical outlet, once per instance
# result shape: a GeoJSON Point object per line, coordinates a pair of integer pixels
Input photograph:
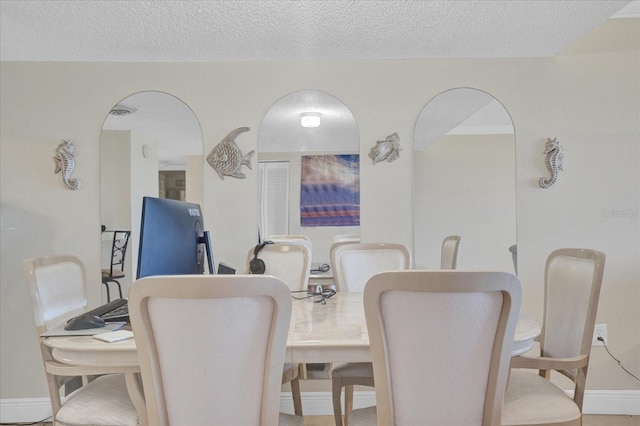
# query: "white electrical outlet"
{"type": "Point", "coordinates": [600, 330]}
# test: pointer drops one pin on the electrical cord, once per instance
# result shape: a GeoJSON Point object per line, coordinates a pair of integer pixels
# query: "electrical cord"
{"type": "Point", "coordinates": [320, 297]}
{"type": "Point", "coordinates": [321, 269]}
{"type": "Point", "coordinates": [616, 359]}
{"type": "Point", "coordinates": [43, 421]}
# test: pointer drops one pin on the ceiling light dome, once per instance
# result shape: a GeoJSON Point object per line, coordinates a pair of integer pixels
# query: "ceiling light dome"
{"type": "Point", "coordinates": [310, 119]}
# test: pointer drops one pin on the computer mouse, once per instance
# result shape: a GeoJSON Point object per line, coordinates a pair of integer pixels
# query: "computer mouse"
{"type": "Point", "coordinates": [84, 322]}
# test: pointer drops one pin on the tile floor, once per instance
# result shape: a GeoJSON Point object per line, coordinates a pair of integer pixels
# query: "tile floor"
{"type": "Point", "coordinates": [590, 420]}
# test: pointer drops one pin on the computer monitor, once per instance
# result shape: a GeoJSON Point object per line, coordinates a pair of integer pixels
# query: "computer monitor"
{"type": "Point", "coordinates": [172, 239]}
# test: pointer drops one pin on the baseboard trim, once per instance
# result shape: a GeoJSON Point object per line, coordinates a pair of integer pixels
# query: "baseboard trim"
{"type": "Point", "coordinates": [612, 402]}
{"type": "Point", "coordinates": [321, 403]}
{"type": "Point", "coordinates": [615, 402]}
{"type": "Point", "coordinates": [23, 410]}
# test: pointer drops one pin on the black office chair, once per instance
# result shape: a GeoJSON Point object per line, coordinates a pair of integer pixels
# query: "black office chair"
{"type": "Point", "coordinates": [116, 268]}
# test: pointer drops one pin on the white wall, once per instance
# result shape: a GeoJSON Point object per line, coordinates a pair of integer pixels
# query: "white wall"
{"type": "Point", "coordinates": [466, 185]}
{"type": "Point", "coordinates": [115, 179]}
{"type": "Point", "coordinates": [126, 175]}
{"type": "Point", "coordinates": [194, 179]}
{"type": "Point", "coordinates": [590, 102]}
{"type": "Point", "coordinates": [143, 176]}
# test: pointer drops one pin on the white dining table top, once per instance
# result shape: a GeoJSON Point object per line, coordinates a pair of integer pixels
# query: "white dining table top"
{"type": "Point", "coordinates": [335, 331]}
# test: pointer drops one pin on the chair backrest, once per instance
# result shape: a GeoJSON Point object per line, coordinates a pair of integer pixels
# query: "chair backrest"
{"type": "Point", "coordinates": [119, 249]}
{"type": "Point", "coordinates": [354, 263]}
{"type": "Point", "coordinates": [441, 344]}
{"type": "Point", "coordinates": [346, 238]}
{"type": "Point", "coordinates": [290, 262]}
{"type": "Point", "coordinates": [57, 288]}
{"type": "Point", "coordinates": [58, 291]}
{"type": "Point", "coordinates": [288, 237]}
{"type": "Point", "coordinates": [292, 239]}
{"type": "Point", "coordinates": [449, 256]}
{"type": "Point", "coordinates": [573, 278]}
{"type": "Point", "coordinates": [211, 348]}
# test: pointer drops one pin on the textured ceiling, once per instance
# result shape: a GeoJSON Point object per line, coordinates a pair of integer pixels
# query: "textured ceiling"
{"type": "Point", "coordinates": [125, 31]}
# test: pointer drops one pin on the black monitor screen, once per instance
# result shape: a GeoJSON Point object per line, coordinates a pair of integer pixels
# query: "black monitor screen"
{"type": "Point", "coordinates": [172, 239]}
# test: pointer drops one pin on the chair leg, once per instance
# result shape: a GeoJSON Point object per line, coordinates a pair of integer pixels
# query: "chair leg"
{"type": "Point", "coordinates": [119, 288]}
{"type": "Point", "coordinates": [106, 284]}
{"type": "Point", "coordinates": [296, 396]}
{"type": "Point", "coordinates": [54, 383]}
{"type": "Point", "coordinates": [348, 403]}
{"type": "Point", "coordinates": [303, 370]}
{"type": "Point", "coordinates": [336, 390]}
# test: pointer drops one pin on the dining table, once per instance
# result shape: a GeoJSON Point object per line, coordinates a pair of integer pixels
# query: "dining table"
{"type": "Point", "coordinates": [322, 330]}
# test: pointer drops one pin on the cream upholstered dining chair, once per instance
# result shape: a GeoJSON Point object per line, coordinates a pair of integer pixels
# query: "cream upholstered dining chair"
{"type": "Point", "coordinates": [291, 262]}
{"type": "Point", "coordinates": [353, 264]}
{"type": "Point", "coordinates": [449, 256]}
{"type": "Point", "coordinates": [58, 291]}
{"type": "Point", "coordinates": [441, 345]}
{"type": "Point", "coordinates": [573, 278]}
{"type": "Point", "coordinates": [211, 348]}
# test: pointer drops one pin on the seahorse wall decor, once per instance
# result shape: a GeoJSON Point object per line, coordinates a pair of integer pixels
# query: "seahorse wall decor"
{"type": "Point", "coordinates": [553, 162]}
{"type": "Point", "coordinates": [65, 163]}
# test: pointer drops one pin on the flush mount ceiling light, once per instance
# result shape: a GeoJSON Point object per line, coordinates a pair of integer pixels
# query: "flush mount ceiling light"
{"type": "Point", "coordinates": [310, 119]}
{"type": "Point", "coordinates": [121, 110]}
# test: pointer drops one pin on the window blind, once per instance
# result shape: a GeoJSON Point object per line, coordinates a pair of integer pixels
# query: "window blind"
{"type": "Point", "coordinates": [273, 182]}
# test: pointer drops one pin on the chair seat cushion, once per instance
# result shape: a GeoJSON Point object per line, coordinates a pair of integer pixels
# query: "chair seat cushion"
{"type": "Point", "coordinates": [104, 401]}
{"type": "Point", "coordinates": [363, 417]}
{"type": "Point", "coordinates": [106, 273]}
{"type": "Point", "coordinates": [352, 369]}
{"type": "Point", "coordinates": [531, 399]}
{"type": "Point", "coordinates": [285, 419]}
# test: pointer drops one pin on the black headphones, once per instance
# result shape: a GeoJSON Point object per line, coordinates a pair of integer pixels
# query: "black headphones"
{"type": "Point", "coordinates": [257, 266]}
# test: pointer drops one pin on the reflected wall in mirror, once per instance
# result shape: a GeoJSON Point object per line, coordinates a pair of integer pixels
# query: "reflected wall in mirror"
{"type": "Point", "coordinates": [464, 180]}
{"type": "Point", "coordinates": [150, 145]}
{"type": "Point", "coordinates": [301, 124]}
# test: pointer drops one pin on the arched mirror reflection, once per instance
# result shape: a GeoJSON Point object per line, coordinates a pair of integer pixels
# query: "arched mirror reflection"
{"type": "Point", "coordinates": [308, 153]}
{"type": "Point", "coordinates": [464, 181]}
{"type": "Point", "coordinates": [150, 145]}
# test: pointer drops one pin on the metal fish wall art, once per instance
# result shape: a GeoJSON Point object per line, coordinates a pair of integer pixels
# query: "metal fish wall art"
{"type": "Point", "coordinates": [227, 159]}
{"type": "Point", "coordinates": [64, 164]}
{"type": "Point", "coordinates": [388, 149]}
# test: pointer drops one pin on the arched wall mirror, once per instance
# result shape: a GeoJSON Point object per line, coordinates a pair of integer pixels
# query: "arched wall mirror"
{"type": "Point", "coordinates": [150, 145]}
{"type": "Point", "coordinates": [464, 180]}
{"type": "Point", "coordinates": [308, 153]}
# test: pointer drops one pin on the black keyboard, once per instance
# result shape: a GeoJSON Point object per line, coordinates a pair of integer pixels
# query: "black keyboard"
{"type": "Point", "coordinates": [116, 310]}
